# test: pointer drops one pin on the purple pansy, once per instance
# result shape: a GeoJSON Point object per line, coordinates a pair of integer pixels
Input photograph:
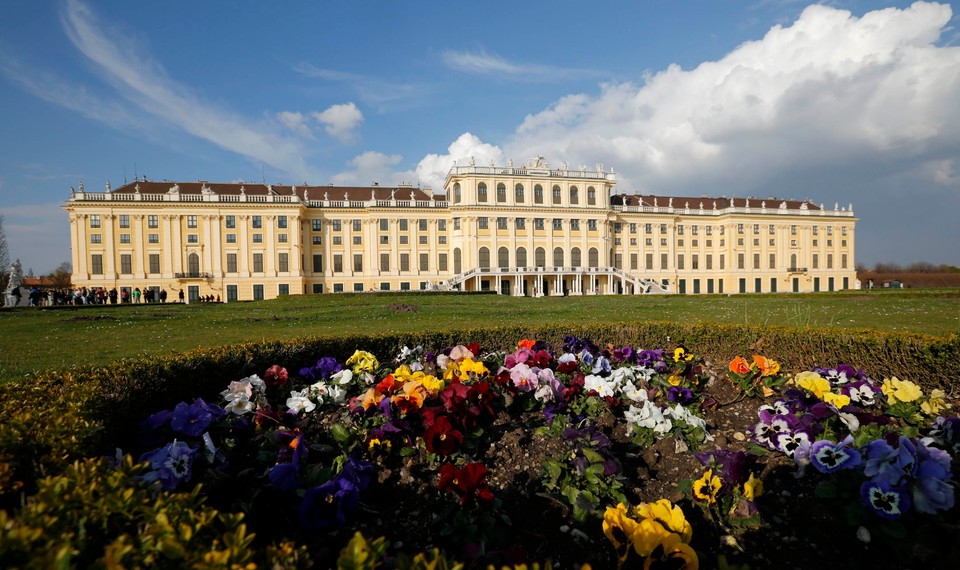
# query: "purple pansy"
{"type": "Point", "coordinates": [325, 368]}
{"type": "Point", "coordinates": [194, 419]}
{"type": "Point", "coordinates": [829, 457]}
{"type": "Point", "coordinates": [888, 501]}
{"type": "Point", "coordinates": [170, 464]}
{"type": "Point", "coordinates": [734, 466]}
{"type": "Point", "coordinates": [327, 506]}
{"type": "Point", "coordinates": [931, 490]}
{"type": "Point", "coordinates": [890, 464]}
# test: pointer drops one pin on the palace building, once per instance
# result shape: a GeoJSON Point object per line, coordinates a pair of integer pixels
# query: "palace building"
{"type": "Point", "coordinates": [529, 230]}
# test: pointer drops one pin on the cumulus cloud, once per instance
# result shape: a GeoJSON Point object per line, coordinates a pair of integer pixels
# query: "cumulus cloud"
{"type": "Point", "coordinates": [295, 122]}
{"type": "Point", "coordinates": [831, 91]}
{"type": "Point", "coordinates": [341, 121]}
{"type": "Point", "coordinates": [373, 167]}
{"type": "Point", "coordinates": [433, 168]}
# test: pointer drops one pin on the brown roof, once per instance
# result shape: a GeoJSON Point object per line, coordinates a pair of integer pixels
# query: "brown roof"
{"type": "Point", "coordinates": [707, 202]}
{"type": "Point", "coordinates": [352, 193]}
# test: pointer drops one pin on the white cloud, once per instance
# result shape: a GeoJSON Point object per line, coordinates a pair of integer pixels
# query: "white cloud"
{"type": "Point", "coordinates": [373, 167]}
{"type": "Point", "coordinates": [433, 168]}
{"type": "Point", "coordinates": [341, 121]}
{"type": "Point", "coordinates": [146, 84]}
{"type": "Point", "coordinates": [482, 63]}
{"type": "Point", "coordinates": [295, 122]}
{"type": "Point", "coordinates": [371, 90]}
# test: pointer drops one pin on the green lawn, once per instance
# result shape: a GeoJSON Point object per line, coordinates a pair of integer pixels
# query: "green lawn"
{"type": "Point", "coordinates": [35, 339]}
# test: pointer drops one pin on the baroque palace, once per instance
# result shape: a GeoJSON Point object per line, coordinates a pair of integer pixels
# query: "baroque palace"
{"type": "Point", "coordinates": [529, 230]}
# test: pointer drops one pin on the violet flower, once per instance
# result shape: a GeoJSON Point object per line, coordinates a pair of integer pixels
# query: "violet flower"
{"type": "Point", "coordinates": [170, 465]}
{"type": "Point", "coordinates": [829, 457]}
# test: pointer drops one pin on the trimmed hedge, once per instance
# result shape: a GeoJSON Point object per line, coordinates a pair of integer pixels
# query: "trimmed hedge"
{"type": "Point", "coordinates": [55, 418]}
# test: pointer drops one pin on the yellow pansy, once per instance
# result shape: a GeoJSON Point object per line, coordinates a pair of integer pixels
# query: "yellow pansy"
{"type": "Point", "coordinates": [813, 382]}
{"type": "Point", "coordinates": [469, 366]}
{"type": "Point", "coordinates": [838, 400]}
{"type": "Point", "coordinates": [648, 535]}
{"type": "Point", "coordinates": [753, 488]}
{"type": "Point", "coordinates": [675, 380]}
{"type": "Point", "coordinates": [681, 355]}
{"type": "Point", "coordinates": [767, 366]}
{"type": "Point", "coordinates": [362, 362]}
{"type": "Point", "coordinates": [618, 527]}
{"type": "Point", "coordinates": [668, 514]}
{"type": "Point", "coordinates": [675, 554]}
{"type": "Point", "coordinates": [707, 487]}
{"type": "Point", "coordinates": [897, 390]}
{"type": "Point", "coordinates": [935, 402]}
{"type": "Point", "coordinates": [431, 383]}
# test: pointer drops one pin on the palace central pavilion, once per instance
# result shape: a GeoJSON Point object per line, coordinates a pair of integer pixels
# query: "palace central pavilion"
{"type": "Point", "coordinates": [529, 230]}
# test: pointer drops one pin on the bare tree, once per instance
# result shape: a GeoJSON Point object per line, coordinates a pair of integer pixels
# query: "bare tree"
{"type": "Point", "coordinates": [4, 257]}
{"type": "Point", "coordinates": [60, 278]}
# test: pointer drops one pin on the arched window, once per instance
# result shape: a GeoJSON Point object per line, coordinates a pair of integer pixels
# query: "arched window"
{"type": "Point", "coordinates": [793, 261]}
{"type": "Point", "coordinates": [521, 257]}
{"type": "Point", "coordinates": [575, 257]}
{"type": "Point", "coordinates": [558, 257]}
{"type": "Point", "coordinates": [591, 196]}
{"type": "Point", "coordinates": [556, 194]}
{"type": "Point", "coordinates": [457, 260]}
{"type": "Point", "coordinates": [501, 193]}
{"type": "Point", "coordinates": [456, 193]}
{"type": "Point", "coordinates": [594, 257]}
{"type": "Point", "coordinates": [484, 258]}
{"type": "Point", "coordinates": [193, 264]}
{"type": "Point", "coordinates": [538, 194]}
{"type": "Point", "coordinates": [518, 191]}
{"type": "Point", "coordinates": [482, 192]}
{"type": "Point", "coordinates": [540, 257]}
{"type": "Point", "coordinates": [574, 195]}
{"type": "Point", "coordinates": [503, 258]}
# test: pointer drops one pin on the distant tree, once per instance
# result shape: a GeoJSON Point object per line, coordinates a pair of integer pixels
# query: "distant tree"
{"type": "Point", "coordinates": [30, 273]}
{"type": "Point", "coordinates": [888, 268]}
{"type": "Point", "coordinates": [921, 267]}
{"type": "Point", "coordinates": [60, 277]}
{"type": "Point", "coordinates": [4, 258]}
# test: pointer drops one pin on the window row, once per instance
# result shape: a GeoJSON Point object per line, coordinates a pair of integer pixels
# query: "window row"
{"type": "Point", "coordinates": [519, 194]}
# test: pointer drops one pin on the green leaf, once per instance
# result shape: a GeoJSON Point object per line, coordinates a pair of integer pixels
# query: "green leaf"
{"type": "Point", "coordinates": [341, 434]}
{"type": "Point", "coordinates": [826, 490]}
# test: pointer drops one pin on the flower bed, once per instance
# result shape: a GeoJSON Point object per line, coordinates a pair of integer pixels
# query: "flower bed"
{"type": "Point", "coordinates": [575, 453]}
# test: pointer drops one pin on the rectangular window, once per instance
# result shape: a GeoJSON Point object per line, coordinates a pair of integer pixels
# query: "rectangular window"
{"type": "Point", "coordinates": [693, 230]}
{"type": "Point", "coordinates": [124, 238]}
{"type": "Point", "coordinates": [634, 261]}
{"type": "Point", "coordinates": [338, 287]}
{"type": "Point", "coordinates": [153, 238]}
{"type": "Point", "coordinates": [756, 261]}
{"type": "Point", "coordinates": [231, 293]}
{"type": "Point", "coordinates": [338, 263]}
{"type": "Point", "coordinates": [829, 261]}
{"type": "Point", "coordinates": [772, 229]}
{"type": "Point", "coordinates": [592, 225]}
{"type": "Point", "coordinates": [384, 240]}
{"type": "Point", "coordinates": [316, 225]}
{"type": "Point", "coordinates": [358, 263]}
{"type": "Point", "coordinates": [384, 224]}
{"type": "Point", "coordinates": [154, 262]}
{"type": "Point", "coordinates": [357, 240]}
{"type": "Point", "coordinates": [648, 228]}
{"type": "Point", "coordinates": [442, 240]}
{"type": "Point", "coordinates": [538, 223]}
{"type": "Point", "coordinates": [257, 222]}
{"type": "Point", "coordinates": [422, 225]}
{"type": "Point", "coordinates": [317, 263]}
{"type": "Point", "coordinates": [442, 262]}
{"type": "Point", "coordinates": [816, 230]}
{"type": "Point", "coordinates": [317, 240]}
{"type": "Point", "coordinates": [649, 261]}
{"type": "Point", "coordinates": [231, 238]}
{"type": "Point", "coordinates": [424, 240]}
{"type": "Point", "coordinates": [96, 238]}
{"type": "Point", "coordinates": [336, 225]}
{"type": "Point", "coordinates": [679, 261]}
{"type": "Point", "coordinates": [282, 222]}
{"type": "Point", "coordinates": [94, 220]}
{"type": "Point", "coordinates": [258, 292]}
{"type": "Point", "coordinates": [482, 223]}
{"type": "Point", "coordinates": [633, 228]}
{"type": "Point", "coordinates": [126, 264]}
{"type": "Point", "coordinates": [281, 238]}
{"type": "Point", "coordinates": [772, 242]}
{"type": "Point", "coordinates": [843, 261]}
{"type": "Point", "coordinates": [663, 229]}
{"type": "Point", "coordinates": [816, 261]}
{"type": "Point", "coordinates": [740, 262]}
{"type": "Point", "coordinates": [773, 261]}
{"type": "Point", "coordinates": [356, 225]}
{"type": "Point", "coordinates": [257, 238]}
{"type": "Point", "coordinates": [424, 261]}
{"type": "Point", "coordinates": [843, 231]}
{"type": "Point", "coordinates": [694, 261]}
{"type": "Point", "coordinates": [708, 230]}
{"type": "Point", "coordinates": [230, 222]}
{"type": "Point", "coordinates": [403, 225]}
{"type": "Point", "coordinates": [404, 240]}
{"type": "Point", "coordinates": [557, 224]}
{"type": "Point", "coordinates": [96, 264]}
{"type": "Point", "coordinates": [192, 222]}
{"type": "Point", "coordinates": [283, 262]}
{"type": "Point", "coordinates": [384, 286]}
{"type": "Point", "coordinates": [709, 262]}
{"type": "Point", "coordinates": [722, 259]}
{"type": "Point", "coordinates": [793, 230]}
{"type": "Point", "coordinates": [384, 262]}
{"type": "Point", "coordinates": [231, 263]}
{"type": "Point", "coordinates": [337, 240]}
{"type": "Point", "coordinates": [618, 227]}
{"type": "Point", "coordinates": [442, 225]}
{"type": "Point", "coordinates": [663, 261]}
{"type": "Point", "coordinates": [258, 263]}
{"type": "Point", "coordinates": [648, 242]}
{"type": "Point", "coordinates": [679, 229]}
{"type": "Point", "coordinates": [357, 287]}
{"type": "Point", "coordinates": [153, 221]}
{"type": "Point", "coordinates": [124, 221]}
{"type": "Point", "coordinates": [404, 262]}
{"type": "Point", "coordinates": [501, 223]}
{"type": "Point", "coordinates": [618, 260]}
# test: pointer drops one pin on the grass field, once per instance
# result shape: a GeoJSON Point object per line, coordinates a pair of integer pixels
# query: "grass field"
{"type": "Point", "coordinates": [34, 339]}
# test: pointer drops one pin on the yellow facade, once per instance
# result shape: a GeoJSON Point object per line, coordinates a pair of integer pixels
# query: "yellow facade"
{"type": "Point", "coordinates": [529, 230]}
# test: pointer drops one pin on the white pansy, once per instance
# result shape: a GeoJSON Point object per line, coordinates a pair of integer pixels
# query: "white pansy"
{"type": "Point", "coordinates": [238, 403]}
{"type": "Point", "coordinates": [337, 394]}
{"type": "Point", "coordinates": [602, 385]}
{"type": "Point", "coordinates": [630, 391]}
{"type": "Point", "coordinates": [342, 377]}
{"type": "Point", "coordinates": [299, 402]}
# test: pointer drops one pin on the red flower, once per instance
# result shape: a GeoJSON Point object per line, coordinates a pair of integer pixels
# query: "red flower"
{"type": "Point", "coordinates": [474, 347]}
{"type": "Point", "coordinates": [542, 359]}
{"type": "Point", "coordinates": [454, 396]}
{"type": "Point", "coordinates": [441, 437]}
{"type": "Point", "coordinates": [469, 483]}
{"type": "Point", "coordinates": [482, 396]}
{"type": "Point", "coordinates": [388, 385]}
{"type": "Point", "coordinates": [276, 375]}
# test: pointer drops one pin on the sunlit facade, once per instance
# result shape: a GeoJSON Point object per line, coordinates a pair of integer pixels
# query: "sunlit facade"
{"type": "Point", "coordinates": [529, 230]}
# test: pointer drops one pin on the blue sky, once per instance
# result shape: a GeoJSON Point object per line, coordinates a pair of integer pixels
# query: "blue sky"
{"type": "Point", "coordinates": [845, 102]}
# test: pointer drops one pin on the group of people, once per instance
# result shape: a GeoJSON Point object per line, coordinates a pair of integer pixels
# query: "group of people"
{"type": "Point", "coordinates": [93, 296]}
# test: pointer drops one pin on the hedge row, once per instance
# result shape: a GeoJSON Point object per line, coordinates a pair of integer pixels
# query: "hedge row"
{"type": "Point", "coordinates": [55, 418]}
